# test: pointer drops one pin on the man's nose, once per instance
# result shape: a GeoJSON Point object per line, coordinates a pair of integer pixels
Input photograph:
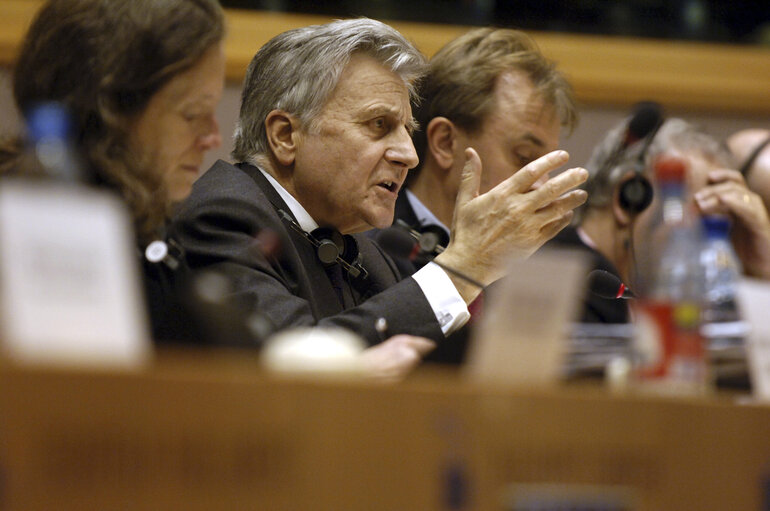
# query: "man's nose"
{"type": "Point", "coordinates": [402, 151]}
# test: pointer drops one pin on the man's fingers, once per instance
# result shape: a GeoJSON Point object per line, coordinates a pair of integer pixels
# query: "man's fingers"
{"type": "Point", "coordinates": [523, 180]}
{"type": "Point", "coordinates": [563, 204]}
{"type": "Point", "coordinates": [471, 177]}
{"type": "Point", "coordinates": [722, 175]}
{"type": "Point", "coordinates": [734, 196]}
{"type": "Point", "coordinates": [558, 186]}
{"type": "Point", "coordinates": [552, 229]}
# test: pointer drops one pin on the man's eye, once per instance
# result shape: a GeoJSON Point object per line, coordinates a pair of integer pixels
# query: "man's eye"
{"type": "Point", "coordinates": [379, 124]}
{"type": "Point", "coordinates": [523, 158]}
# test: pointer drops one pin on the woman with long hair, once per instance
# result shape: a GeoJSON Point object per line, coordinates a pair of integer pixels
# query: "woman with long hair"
{"type": "Point", "coordinates": [141, 81]}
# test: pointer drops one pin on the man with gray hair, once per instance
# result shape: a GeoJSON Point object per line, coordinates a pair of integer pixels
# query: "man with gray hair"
{"type": "Point", "coordinates": [324, 145]}
{"type": "Point", "coordinates": [493, 90]}
{"type": "Point", "coordinates": [612, 222]}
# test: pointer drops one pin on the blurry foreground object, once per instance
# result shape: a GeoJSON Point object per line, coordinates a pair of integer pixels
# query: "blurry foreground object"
{"type": "Point", "coordinates": [672, 285]}
{"type": "Point", "coordinates": [522, 335]}
{"type": "Point", "coordinates": [755, 302]}
{"type": "Point", "coordinates": [69, 285]}
{"type": "Point", "coordinates": [314, 350]}
{"type": "Point", "coordinates": [333, 351]}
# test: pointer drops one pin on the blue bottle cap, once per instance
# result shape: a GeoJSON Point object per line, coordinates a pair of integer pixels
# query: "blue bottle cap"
{"type": "Point", "coordinates": [716, 226]}
{"type": "Point", "coordinates": [48, 120]}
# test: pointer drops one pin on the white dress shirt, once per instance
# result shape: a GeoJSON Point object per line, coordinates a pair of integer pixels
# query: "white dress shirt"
{"type": "Point", "coordinates": [446, 302]}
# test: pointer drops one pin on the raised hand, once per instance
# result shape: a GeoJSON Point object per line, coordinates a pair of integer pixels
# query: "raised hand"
{"type": "Point", "coordinates": [512, 220]}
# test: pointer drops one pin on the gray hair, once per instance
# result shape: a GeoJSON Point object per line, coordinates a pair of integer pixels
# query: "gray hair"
{"type": "Point", "coordinates": [297, 71]}
{"type": "Point", "coordinates": [675, 134]}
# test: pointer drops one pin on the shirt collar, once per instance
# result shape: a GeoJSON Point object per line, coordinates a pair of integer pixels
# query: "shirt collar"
{"type": "Point", "coordinates": [421, 211]}
{"type": "Point", "coordinates": [303, 217]}
{"type": "Point", "coordinates": [585, 238]}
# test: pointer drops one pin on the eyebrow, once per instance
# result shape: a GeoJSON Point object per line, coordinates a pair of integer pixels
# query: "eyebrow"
{"type": "Point", "coordinates": [411, 125]}
{"type": "Point", "coordinates": [197, 100]}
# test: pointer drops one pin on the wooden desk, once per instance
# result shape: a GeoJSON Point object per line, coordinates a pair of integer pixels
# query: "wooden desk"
{"type": "Point", "coordinates": [220, 435]}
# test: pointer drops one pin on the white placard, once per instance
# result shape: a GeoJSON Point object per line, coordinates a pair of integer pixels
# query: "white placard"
{"type": "Point", "coordinates": [522, 335]}
{"type": "Point", "coordinates": [69, 284]}
{"type": "Point", "coordinates": [754, 298]}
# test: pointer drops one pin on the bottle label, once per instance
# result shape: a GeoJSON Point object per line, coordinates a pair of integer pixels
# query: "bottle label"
{"type": "Point", "coordinates": [674, 330]}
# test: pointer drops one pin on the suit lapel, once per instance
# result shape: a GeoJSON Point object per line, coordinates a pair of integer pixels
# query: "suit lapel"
{"type": "Point", "coordinates": [326, 301]}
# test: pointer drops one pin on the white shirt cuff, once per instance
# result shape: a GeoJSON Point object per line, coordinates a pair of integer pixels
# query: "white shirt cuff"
{"type": "Point", "coordinates": [446, 302]}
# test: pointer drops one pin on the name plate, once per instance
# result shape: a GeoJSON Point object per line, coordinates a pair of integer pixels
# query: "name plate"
{"type": "Point", "coordinates": [755, 303]}
{"type": "Point", "coordinates": [522, 335]}
{"type": "Point", "coordinates": [69, 284]}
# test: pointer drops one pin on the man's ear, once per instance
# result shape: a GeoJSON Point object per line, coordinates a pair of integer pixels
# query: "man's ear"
{"type": "Point", "coordinates": [441, 134]}
{"type": "Point", "coordinates": [282, 131]}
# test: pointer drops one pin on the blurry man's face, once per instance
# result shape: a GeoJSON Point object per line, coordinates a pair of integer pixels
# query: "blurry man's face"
{"type": "Point", "coordinates": [348, 171]}
{"type": "Point", "coordinates": [520, 128]}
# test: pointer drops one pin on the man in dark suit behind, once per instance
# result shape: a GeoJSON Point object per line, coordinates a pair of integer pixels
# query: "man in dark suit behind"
{"type": "Point", "coordinates": [324, 143]}
{"type": "Point", "coordinates": [490, 89]}
{"type": "Point", "coordinates": [493, 90]}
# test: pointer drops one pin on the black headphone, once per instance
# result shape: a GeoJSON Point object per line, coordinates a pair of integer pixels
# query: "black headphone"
{"type": "Point", "coordinates": [635, 193]}
{"type": "Point", "coordinates": [746, 166]}
{"type": "Point", "coordinates": [332, 247]}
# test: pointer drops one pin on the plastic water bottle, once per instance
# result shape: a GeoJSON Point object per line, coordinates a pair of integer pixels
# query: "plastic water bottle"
{"type": "Point", "coordinates": [721, 315]}
{"type": "Point", "coordinates": [51, 152]}
{"type": "Point", "coordinates": [672, 285]}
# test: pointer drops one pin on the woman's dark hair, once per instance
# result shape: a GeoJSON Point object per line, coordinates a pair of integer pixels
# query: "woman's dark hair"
{"type": "Point", "coordinates": [103, 60]}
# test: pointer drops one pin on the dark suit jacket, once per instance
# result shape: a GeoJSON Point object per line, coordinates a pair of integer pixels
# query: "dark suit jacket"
{"type": "Point", "coordinates": [229, 205]}
{"type": "Point", "coordinates": [596, 309]}
{"type": "Point", "coordinates": [405, 213]}
{"type": "Point", "coordinates": [179, 314]}
{"type": "Point", "coordinates": [451, 350]}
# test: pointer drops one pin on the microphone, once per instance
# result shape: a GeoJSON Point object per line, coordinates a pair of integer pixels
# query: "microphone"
{"type": "Point", "coordinates": [647, 118]}
{"type": "Point", "coordinates": [432, 239]}
{"type": "Point", "coordinates": [645, 122]}
{"type": "Point", "coordinates": [605, 284]}
{"type": "Point", "coordinates": [400, 244]}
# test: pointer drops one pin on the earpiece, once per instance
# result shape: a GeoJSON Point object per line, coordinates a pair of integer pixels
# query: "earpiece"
{"type": "Point", "coordinates": [332, 247]}
{"type": "Point", "coordinates": [635, 193]}
{"type": "Point", "coordinates": [330, 244]}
